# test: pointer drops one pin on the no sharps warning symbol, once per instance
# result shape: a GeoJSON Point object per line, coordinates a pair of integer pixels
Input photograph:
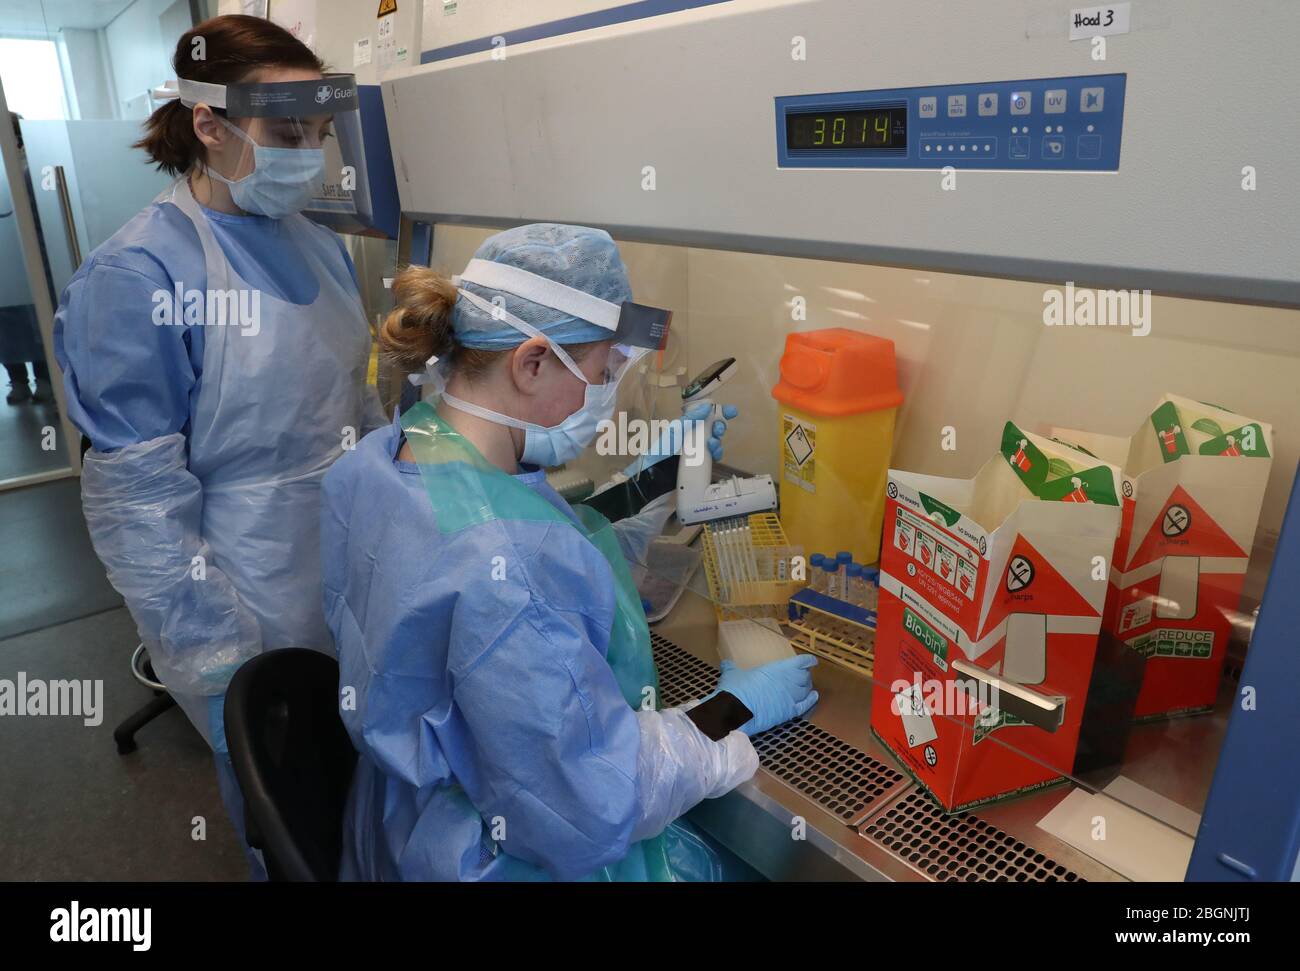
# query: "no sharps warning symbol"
{"type": "Point", "coordinates": [1020, 573]}
{"type": "Point", "coordinates": [1176, 521]}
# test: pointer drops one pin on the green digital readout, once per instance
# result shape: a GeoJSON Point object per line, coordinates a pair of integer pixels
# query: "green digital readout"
{"type": "Point", "coordinates": [877, 128]}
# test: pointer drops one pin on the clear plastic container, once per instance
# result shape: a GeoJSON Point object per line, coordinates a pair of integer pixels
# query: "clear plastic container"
{"type": "Point", "coordinates": [842, 560]}
{"type": "Point", "coordinates": [857, 591]}
{"type": "Point", "coordinates": [831, 585]}
{"type": "Point", "coordinates": [870, 587]}
{"type": "Point", "coordinates": [816, 575]}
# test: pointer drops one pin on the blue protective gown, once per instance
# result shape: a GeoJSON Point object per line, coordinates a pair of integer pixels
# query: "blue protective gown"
{"type": "Point", "coordinates": [210, 441]}
{"type": "Point", "coordinates": [475, 700]}
{"type": "Point", "coordinates": [129, 381]}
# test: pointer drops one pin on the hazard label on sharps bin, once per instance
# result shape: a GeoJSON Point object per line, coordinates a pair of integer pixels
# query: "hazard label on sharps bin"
{"type": "Point", "coordinates": [799, 442]}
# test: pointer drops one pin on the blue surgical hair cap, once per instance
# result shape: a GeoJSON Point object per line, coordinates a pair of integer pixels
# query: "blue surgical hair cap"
{"type": "Point", "coordinates": [577, 256]}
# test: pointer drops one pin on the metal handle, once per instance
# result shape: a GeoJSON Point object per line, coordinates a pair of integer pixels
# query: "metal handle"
{"type": "Point", "coordinates": [1038, 710]}
{"type": "Point", "coordinates": [138, 660]}
{"type": "Point", "coordinates": [69, 223]}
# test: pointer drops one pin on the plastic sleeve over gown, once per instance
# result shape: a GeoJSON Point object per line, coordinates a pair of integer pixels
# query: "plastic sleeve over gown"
{"type": "Point", "coordinates": [130, 384]}
{"type": "Point", "coordinates": [143, 508]}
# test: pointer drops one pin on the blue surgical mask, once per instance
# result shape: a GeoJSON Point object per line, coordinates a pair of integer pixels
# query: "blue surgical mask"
{"type": "Point", "coordinates": [282, 181]}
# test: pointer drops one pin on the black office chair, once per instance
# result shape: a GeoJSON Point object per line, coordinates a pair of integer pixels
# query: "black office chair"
{"type": "Point", "coordinates": [293, 759]}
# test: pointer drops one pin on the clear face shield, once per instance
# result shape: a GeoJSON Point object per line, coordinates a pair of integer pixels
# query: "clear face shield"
{"type": "Point", "coordinates": [287, 157]}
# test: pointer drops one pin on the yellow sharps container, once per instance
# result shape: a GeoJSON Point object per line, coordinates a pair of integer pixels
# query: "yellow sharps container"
{"type": "Point", "coordinates": [837, 398]}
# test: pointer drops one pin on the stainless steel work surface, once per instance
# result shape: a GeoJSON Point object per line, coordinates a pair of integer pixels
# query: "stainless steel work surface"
{"type": "Point", "coordinates": [864, 818]}
{"type": "Point", "coordinates": [762, 820]}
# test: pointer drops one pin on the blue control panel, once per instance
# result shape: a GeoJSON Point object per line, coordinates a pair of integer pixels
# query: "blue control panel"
{"type": "Point", "coordinates": [1070, 124]}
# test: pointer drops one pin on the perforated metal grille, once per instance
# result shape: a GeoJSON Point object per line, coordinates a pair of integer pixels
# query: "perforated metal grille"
{"type": "Point", "coordinates": [840, 778]}
{"type": "Point", "coordinates": [961, 847]}
{"type": "Point", "coordinates": [683, 677]}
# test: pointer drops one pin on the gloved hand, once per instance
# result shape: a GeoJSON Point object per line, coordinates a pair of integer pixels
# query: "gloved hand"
{"type": "Point", "coordinates": [674, 435]}
{"type": "Point", "coordinates": [701, 412]}
{"type": "Point", "coordinates": [775, 692]}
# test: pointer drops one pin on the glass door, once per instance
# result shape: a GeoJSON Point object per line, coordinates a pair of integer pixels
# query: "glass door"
{"type": "Point", "coordinates": [34, 441]}
{"type": "Point", "coordinates": [76, 82]}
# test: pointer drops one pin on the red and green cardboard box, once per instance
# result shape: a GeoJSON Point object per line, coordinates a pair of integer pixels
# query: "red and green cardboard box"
{"type": "Point", "coordinates": [991, 598]}
{"type": "Point", "coordinates": [1192, 482]}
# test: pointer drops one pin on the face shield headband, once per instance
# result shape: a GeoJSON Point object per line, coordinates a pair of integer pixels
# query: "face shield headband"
{"type": "Point", "coordinates": [332, 94]}
{"type": "Point", "coordinates": [634, 326]}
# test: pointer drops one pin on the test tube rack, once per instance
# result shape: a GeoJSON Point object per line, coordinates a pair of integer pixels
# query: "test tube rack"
{"type": "Point", "coordinates": [748, 563]}
{"type": "Point", "coordinates": [840, 632]}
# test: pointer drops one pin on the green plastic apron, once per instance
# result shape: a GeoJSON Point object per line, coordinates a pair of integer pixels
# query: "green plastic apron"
{"type": "Point", "coordinates": [466, 490]}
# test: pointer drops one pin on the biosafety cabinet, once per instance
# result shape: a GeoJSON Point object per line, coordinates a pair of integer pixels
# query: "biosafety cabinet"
{"type": "Point", "coordinates": [1078, 232]}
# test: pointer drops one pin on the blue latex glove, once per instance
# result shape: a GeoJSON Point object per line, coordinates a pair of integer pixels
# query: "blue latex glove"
{"type": "Point", "coordinates": [670, 443]}
{"type": "Point", "coordinates": [775, 692]}
{"type": "Point", "coordinates": [701, 412]}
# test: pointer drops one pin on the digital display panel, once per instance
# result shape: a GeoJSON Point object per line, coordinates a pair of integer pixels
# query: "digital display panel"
{"type": "Point", "coordinates": [876, 128]}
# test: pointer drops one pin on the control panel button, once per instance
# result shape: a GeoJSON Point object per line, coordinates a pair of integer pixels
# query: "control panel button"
{"type": "Point", "coordinates": [1053, 148]}
{"type": "Point", "coordinates": [1054, 102]}
{"type": "Point", "coordinates": [956, 106]}
{"type": "Point", "coordinates": [928, 107]}
{"type": "Point", "coordinates": [1018, 146]}
{"type": "Point", "coordinates": [1089, 146]}
{"type": "Point", "coordinates": [1092, 99]}
{"type": "Point", "coordinates": [987, 103]}
{"type": "Point", "coordinates": [1021, 102]}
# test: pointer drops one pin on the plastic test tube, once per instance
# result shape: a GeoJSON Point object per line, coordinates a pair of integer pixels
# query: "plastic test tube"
{"type": "Point", "coordinates": [857, 593]}
{"type": "Point", "coordinates": [817, 576]}
{"type": "Point", "coordinates": [831, 585]}
{"type": "Point", "coordinates": [842, 560]}
{"type": "Point", "coordinates": [870, 586]}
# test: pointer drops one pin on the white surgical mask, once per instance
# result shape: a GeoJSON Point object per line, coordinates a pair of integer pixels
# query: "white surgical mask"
{"type": "Point", "coordinates": [558, 444]}
{"type": "Point", "coordinates": [282, 181]}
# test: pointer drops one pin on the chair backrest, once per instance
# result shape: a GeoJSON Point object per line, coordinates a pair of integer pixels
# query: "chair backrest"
{"type": "Point", "coordinates": [293, 759]}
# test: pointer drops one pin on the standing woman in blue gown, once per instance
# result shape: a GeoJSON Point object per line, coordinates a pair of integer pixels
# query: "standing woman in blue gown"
{"type": "Point", "coordinates": [212, 426]}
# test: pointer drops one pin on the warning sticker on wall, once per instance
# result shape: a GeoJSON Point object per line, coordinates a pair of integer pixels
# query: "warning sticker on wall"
{"type": "Point", "coordinates": [799, 445]}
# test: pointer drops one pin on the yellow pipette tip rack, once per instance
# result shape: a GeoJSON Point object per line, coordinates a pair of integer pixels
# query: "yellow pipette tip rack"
{"type": "Point", "coordinates": [748, 563]}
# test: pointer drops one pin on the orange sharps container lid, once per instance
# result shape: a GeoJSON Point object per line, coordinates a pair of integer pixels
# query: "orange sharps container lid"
{"type": "Point", "coordinates": [838, 371]}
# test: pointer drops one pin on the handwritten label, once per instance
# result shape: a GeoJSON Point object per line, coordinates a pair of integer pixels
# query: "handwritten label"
{"type": "Point", "coordinates": [1112, 18]}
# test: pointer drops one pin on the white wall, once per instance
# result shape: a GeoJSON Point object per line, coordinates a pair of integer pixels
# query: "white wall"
{"type": "Point", "coordinates": [89, 85]}
{"type": "Point", "coordinates": [339, 24]}
{"type": "Point", "coordinates": [139, 56]}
